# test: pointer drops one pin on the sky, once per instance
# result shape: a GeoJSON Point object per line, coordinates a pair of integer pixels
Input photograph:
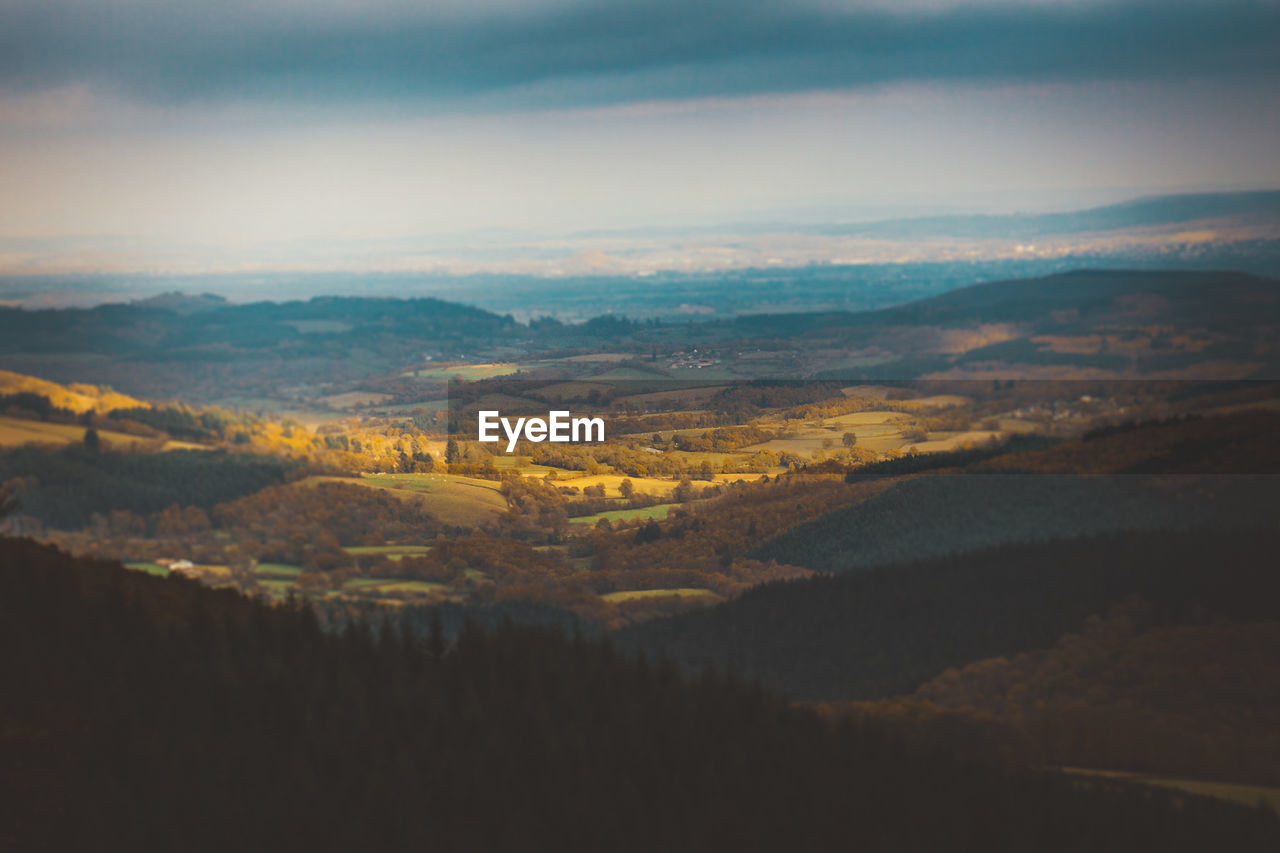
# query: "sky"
{"type": "Point", "coordinates": [175, 136]}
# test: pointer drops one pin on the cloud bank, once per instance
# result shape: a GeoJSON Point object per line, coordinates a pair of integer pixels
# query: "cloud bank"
{"type": "Point", "coordinates": [566, 54]}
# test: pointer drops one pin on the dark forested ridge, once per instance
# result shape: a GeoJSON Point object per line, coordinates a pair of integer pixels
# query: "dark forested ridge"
{"type": "Point", "coordinates": [163, 715]}
{"type": "Point", "coordinates": [928, 517]}
{"type": "Point", "coordinates": [146, 332]}
{"type": "Point", "coordinates": [64, 488]}
{"type": "Point", "coordinates": [230, 350]}
{"type": "Point", "coordinates": [1194, 473]}
{"type": "Point", "coordinates": [1146, 322]}
{"type": "Point", "coordinates": [1216, 299]}
{"type": "Point", "coordinates": [886, 631]}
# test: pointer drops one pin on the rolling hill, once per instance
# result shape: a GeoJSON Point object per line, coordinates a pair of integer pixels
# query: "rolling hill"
{"type": "Point", "coordinates": [1088, 323]}
{"type": "Point", "coordinates": [934, 516]}
{"type": "Point", "coordinates": [223, 351]}
{"type": "Point", "coordinates": [77, 397]}
{"type": "Point", "coordinates": [1100, 298]}
{"type": "Point", "coordinates": [886, 631]}
{"type": "Point", "coordinates": [1198, 473]}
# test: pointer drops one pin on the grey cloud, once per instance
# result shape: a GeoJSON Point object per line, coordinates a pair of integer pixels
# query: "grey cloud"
{"type": "Point", "coordinates": [594, 53]}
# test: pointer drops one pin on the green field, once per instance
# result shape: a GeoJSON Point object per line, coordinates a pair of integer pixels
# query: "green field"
{"type": "Point", "coordinates": [461, 501]}
{"type": "Point", "coordinates": [364, 583]}
{"type": "Point", "coordinates": [281, 570]}
{"type": "Point", "coordinates": [1249, 795]}
{"type": "Point", "coordinates": [277, 588]}
{"type": "Point", "coordinates": [660, 511]}
{"type": "Point", "coordinates": [387, 550]}
{"type": "Point", "coordinates": [18, 431]}
{"type": "Point", "coordinates": [428, 405]}
{"type": "Point", "coordinates": [470, 372]}
{"type": "Point", "coordinates": [395, 585]}
{"type": "Point", "coordinates": [711, 374]}
{"type": "Point", "coordinates": [279, 585]}
{"type": "Point", "coordinates": [528, 469]}
{"type": "Point", "coordinates": [641, 594]}
{"type": "Point", "coordinates": [414, 586]}
{"type": "Point", "coordinates": [149, 568]}
{"type": "Point", "coordinates": [627, 374]}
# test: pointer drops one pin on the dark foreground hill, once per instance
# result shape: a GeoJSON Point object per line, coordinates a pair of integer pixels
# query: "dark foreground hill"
{"type": "Point", "coordinates": [886, 631]}
{"type": "Point", "coordinates": [161, 715]}
{"type": "Point", "coordinates": [1130, 692]}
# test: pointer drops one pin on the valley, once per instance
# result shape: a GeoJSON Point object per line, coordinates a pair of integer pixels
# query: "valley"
{"type": "Point", "coordinates": [1015, 493]}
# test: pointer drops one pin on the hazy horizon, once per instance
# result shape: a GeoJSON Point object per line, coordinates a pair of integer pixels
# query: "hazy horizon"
{"type": "Point", "coordinates": [491, 136]}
